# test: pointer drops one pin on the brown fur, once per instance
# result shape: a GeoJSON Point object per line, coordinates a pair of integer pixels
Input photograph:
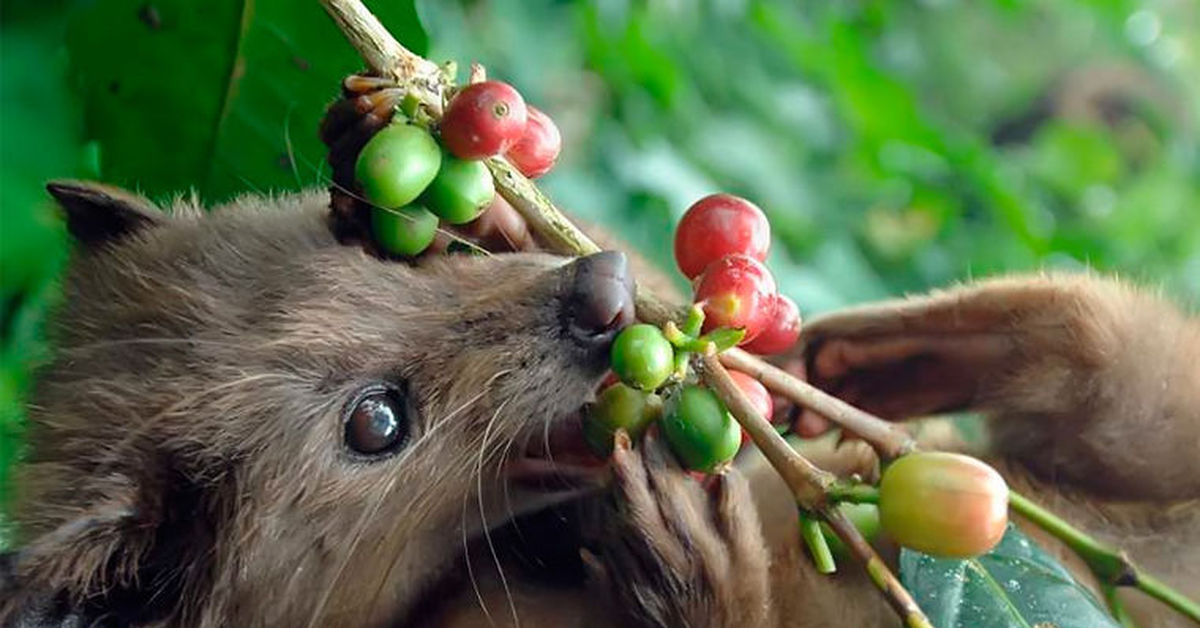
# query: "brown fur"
{"type": "Point", "coordinates": [186, 457]}
{"type": "Point", "coordinates": [1093, 393]}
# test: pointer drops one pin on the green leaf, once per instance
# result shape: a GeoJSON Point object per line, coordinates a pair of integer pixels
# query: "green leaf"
{"type": "Point", "coordinates": [39, 141]}
{"type": "Point", "coordinates": [1016, 584]}
{"type": "Point", "coordinates": [724, 338]}
{"type": "Point", "coordinates": [223, 96]}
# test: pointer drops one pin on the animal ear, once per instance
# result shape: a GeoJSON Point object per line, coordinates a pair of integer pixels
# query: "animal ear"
{"type": "Point", "coordinates": [83, 547]}
{"type": "Point", "coordinates": [98, 214]}
{"type": "Point", "coordinates": [118, 538]}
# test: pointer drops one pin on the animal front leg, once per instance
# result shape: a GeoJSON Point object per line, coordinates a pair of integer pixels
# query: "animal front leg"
{"type": "Point", "coordinates": [677, 554]}
{"type": "Point", "coordinates": [1087, 380]}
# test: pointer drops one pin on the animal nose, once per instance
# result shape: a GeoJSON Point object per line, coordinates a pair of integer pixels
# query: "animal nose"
{"type": "Point", "coordinates": [599, 298]}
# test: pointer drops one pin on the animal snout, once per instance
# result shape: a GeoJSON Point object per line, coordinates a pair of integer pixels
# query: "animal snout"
{"type": "Point", "coordinates": [599, 297]}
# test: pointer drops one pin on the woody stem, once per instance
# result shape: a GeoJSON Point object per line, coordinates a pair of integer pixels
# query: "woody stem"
{"type": "Point", "coordinates": [811, 486]}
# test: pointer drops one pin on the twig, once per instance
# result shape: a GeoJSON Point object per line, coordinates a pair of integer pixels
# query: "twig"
{"type": "Point", "coordinates": [811, 486]}
{"type": "Point", "coordinates": [881, 576]}
{"type": "Point", "coordinates": [889, 440]}
{"type": "Point", "coordinates": [1165, 593]}
{"type": "Point", "coordinates": [1116, 607]}
{"type": "Point", "coordinates": [557, 233]}
{"type": "Point", "coordinates": [1111, 566]}
{"type": "Point", "coordinates": [814, 538]}
{"type": "Point", "coordinates": [808, 482]}
{"type": "Point", "coordinates": [387, 57]}
{"type": "Point", "coordinates": [384, 55]}
{"type": "Point", "coordinates": [478, 74]}
{"type": "Point", "coordinates": [854, 493]}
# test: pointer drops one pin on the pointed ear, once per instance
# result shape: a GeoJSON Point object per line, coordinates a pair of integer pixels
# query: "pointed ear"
{"type": "Point", "coordinates": [97, 213]}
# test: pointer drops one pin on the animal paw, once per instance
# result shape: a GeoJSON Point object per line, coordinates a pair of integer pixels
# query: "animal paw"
{"type": "Point", "coordinates": [1087, 380]}
{"type": "Point", "coordinates": [679, 554]}
{"type": "Point", "coordinates": [368, 104]}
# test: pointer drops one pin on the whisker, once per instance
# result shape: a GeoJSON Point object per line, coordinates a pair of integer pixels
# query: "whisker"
{"type": "Point", "coordinates": [470, 569]}
{"type": "Point", "coordinates": [137, 341]}
{"type": "Point", "coordinates": [549, 452]}
{"type": "Point", "coordinates": [287, 142]}
{"type": "Point", "coordinates": [506, 483]}
{"type": "Point", "coordinates": [486, 388]}
{"type": "Point", "coordinates": [487, 535]}
{"type": "Point", "coordinates": [318, 170]}
{"type": "Point", "coordinates": [412, 448]}
{"type": "Point", "coordinates": [360, 527]}
{"type": "Point", "coordinates": [370, 512]}
{"type": "Point", "coordinates": [434, 428]}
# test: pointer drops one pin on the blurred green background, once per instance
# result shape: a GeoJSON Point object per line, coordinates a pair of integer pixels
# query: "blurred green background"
{"type": "Point", "coordinates": [895, 145]}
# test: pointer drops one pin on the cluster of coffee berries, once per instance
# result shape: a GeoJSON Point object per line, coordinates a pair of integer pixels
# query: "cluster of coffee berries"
{"type": "Point", "coordinates": [938, 503]}
{"type": "Point", "coordinates": [413, 183]}
{"type": "Point", "coordinates": [720, 244]}
{"type": "Point", "coordinates": [654, 387]}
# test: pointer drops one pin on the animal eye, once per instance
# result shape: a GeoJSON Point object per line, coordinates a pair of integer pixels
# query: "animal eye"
{"type": "Point", "coordinates": [378, 423]}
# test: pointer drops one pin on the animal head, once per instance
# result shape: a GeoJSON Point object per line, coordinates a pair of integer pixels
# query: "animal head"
{"type": "Point", "coordinates": [240, 408]}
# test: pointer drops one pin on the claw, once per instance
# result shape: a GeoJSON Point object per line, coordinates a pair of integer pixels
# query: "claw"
{"type": "Point", "coordinates": [622, 441]}
{"type": "Point", "coordinates": [360, 84]}
{"type": "Point", "coordinates": [685, 556]}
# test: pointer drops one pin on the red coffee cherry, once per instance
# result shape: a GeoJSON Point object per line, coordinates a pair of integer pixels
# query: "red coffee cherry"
{"type": "Point", "coordinates": [759, 397]}
{"type": "Point", "coordinates": [720, 225]}
{"type": "Point", "coordinates": [734, 292]}
{"type": "Point", "coordinates": [537, 150]}
{"type": "Point", "coordinates": [483, 120]}
{"type": "Point", "coordinates": [943, 504]}
{"type": "Point", "coordinates": [781, 330]}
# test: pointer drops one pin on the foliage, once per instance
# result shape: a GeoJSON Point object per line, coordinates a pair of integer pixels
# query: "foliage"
{"type": "Point", "coordinates": [222, 97]}
{"type": "Point", "coordinates": [162, 97]}
{"type": "Point", "coordinates": [894, 145]}
{"type": "Point", "coordinates": [1016, 585]}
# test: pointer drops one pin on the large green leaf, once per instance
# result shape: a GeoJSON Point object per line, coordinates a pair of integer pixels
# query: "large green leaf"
{"type": "Point", "coordinates": [222, 96]}
{"type": "Point", "coordinates": [1015, 585]}
{"type": "Point", "coordinates": [38, 141]}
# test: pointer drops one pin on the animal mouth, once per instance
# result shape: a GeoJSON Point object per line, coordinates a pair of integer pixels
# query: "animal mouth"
{"type": "Point", "coordinates": [559, 459]}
